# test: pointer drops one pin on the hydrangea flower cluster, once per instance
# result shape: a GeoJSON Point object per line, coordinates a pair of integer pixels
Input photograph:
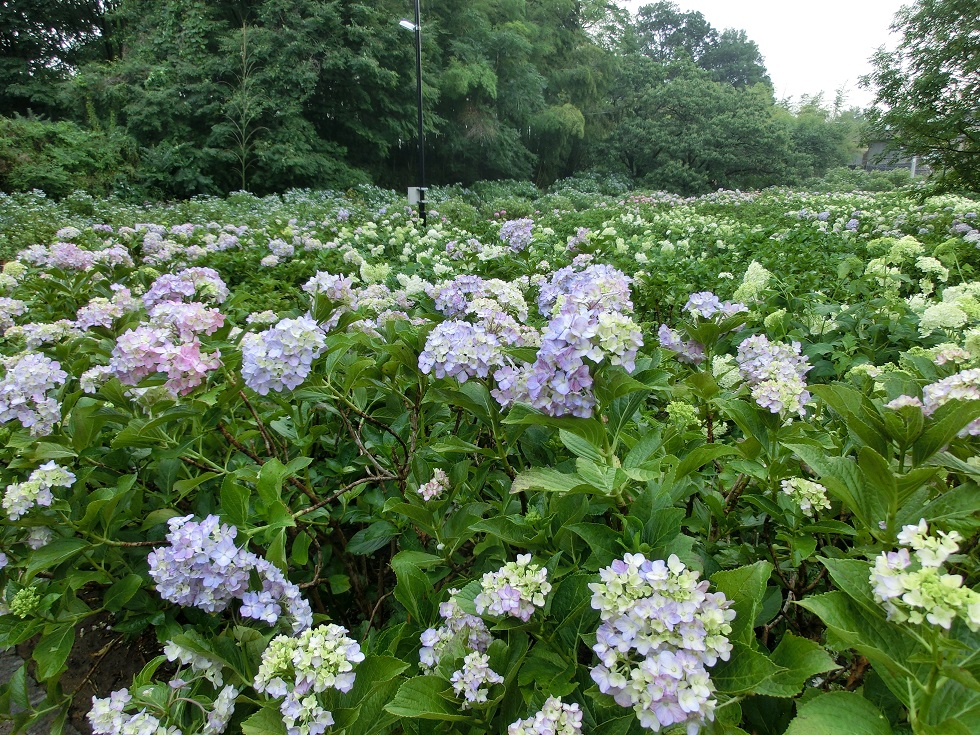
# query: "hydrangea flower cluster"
{"type": "Point", "coordinates": [706, 305]}
{"type": "Point", "coordinates": [517, 233]}
{"type": "Point", "coordinates": [458, 349]}
{"type": "Point", "coordinates": [36, 334]}
{"type": "Point", "coordinates": [20, 497]}
{"type": "Point", "coordinates": [458, 622]}
{"type": "Point", "coordinates": [963, 386]}
{"type": "Point", "coordinates": [661, 628]}
{"type": "Point", "coordinates": [595, 287]}
{"type": "Point", "coordinates": [99, 312]}
{"type": "Point", "coordinates": [298, 668]}
{"type": "Point", "coordinates": [810, 496]}
{"type": "Point", "coordinates": [190, 284]}
{"type": "Point", "coordinates": [339, 289]}
{"type": "Point", "coordinates": [516, 589]}
{"type": "Point", "coordinates": [434, 488]}
{"type": "Point", "coordinates": [198, 663]}
{"type": "Point", "coordinates": [456, 297]}
{"type": "Point", "coordinates": [688, 351]}
{"type": "Point", "coordinates": [555, 718]}
{"type": "Point", "coordinates": [10, 308]}
{"type": "Point", "coordinates": [473, 681]}
{"type": "Point", "coordinates": [282, 356]}
{"type": "Point", "coordinates": [914, 587]}
{"type": "Point", "coordinates": [187, 319]}
{"type": "Point", "coordinates": [202, 567]}
{"type": "Point", "coordinates": [26, 391]}
{"type": "Point", "coordinates": [754, 283]}
{"type": "Point", "coordinates": [157, 348]}
{"type": "Point", "coordinates": [775, 371]}
{"type": "Point", "coordinates": [589, 321]}
{"type": "Point", "coordinates": [108, 716]}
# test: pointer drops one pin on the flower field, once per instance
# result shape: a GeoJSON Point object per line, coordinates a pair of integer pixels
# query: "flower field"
{"type": "Point", "coordinates": [586, 461]}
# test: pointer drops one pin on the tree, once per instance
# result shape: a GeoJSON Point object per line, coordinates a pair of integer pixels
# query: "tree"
{"type": "Point", "coordinates": [927, 90]}
{"type": "Point", "coordinates": [40, 41]}
{"type": "Point", "coordinates": [689, 134]}
{"type": "Point", "coordinates": [733, 58]}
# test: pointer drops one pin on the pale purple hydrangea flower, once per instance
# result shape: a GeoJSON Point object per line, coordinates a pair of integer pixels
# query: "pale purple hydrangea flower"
{"type": "Point", "coordinates": [190, 284]}
{"type": "Point", "coordinates": [901, 402]}
{"type": "Point", "coordinates": [963, 386]}
{"type": "Point", "coordinates": [202, 567]}
{"type": "Point", "coordinates": [20, 497]}
{"type": "Point", "coordinates": [457, 623]}
{"type": "Point", "coordinates": [187, 320]}
{"type": "Point", "coordinates": [434, 488]}
{"type": "Point", "coordinates": [26, 391]}
{"type": "Point", "coordinates": [472, 682]}
{"type": "Point", "coordinates": [707, 306]}
{"type": "Point", "coordinates": [10, 308]}
{"type": "Point", "coordinates": [37, 334]}
{"type": "Point", "coordinates": [517, 233]}
{"type": "Point", "coordinates": [281, 357]}
{"type": "Point", "coordinates": [516, 589]}
{"type": "Point", "coordinates": [281, 249]}
{"type": "Point", "coordinates": [452, 297]}
{"type": "Point", "coordinates": [301, 667]}
{"type": "Point", "coordinates": [914, 586]}
{"type": "Point", "coordinates": [460, 350]}
{"type": "Point", "coordinates": [555, 718]}
{"type": "Point", "coordinates": [39, 537]}
{"type": "Point", "coordinates": [775, 371]}
{"type": "Point", "coordinates": [589, 322]}
{"type": "Point", "coordinates": [687, 351]}
{"type": "Point", "coordinates": [661, 628]}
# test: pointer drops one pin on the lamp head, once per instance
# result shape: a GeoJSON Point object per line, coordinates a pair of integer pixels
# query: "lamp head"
{"type": "Point", "coordinates": [408, 25]}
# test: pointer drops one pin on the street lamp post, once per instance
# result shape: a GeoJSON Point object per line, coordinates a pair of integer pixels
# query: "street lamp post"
{"type": "Point", "coordinates": [417, 27]}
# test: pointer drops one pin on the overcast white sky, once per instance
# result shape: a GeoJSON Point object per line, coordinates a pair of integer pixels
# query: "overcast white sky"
{"type": "Point", "coordinates": [808, 47]}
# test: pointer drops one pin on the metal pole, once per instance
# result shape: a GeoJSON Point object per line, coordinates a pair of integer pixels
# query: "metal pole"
{"type": "Point", "coordinates": [418, 74]}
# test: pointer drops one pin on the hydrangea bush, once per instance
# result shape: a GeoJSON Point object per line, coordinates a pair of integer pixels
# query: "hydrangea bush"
{"type": "Point", "coordinates": [632, 464]}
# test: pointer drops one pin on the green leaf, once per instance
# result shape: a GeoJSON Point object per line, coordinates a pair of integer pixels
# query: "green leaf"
{"type": "Point", "coordinates": [701, 456]}
{"type": "Point", "coordinates": [943, 427]}
{"type": "Point", "coordinates": [370, 539]}
{"type": "Point", "coordinates": [581, 447]}
{"type": "Point", "coordinates": [234, 502]}
{"type": "Point", "coordinates": [272, 475]}
{"type": "Point", "coordinates": [745, 587]}
{"type": "Point", "coordinates": [592, 429]}
{"type": "Point", "coordinates": [746, 672]}
{"type": "Point", "coordinates": [839, 713]}
{"type": "Point", "coordinates": [58, 551]}
{"type": "Point", "coordinates": [802, 659]}
{"type": "Point", "coordinates": [182, 487]}
{"type": "Point", "coordinates": [267, 721]}
{"type": "Point", "coordinates": [427, 697]}
{"type": "Point", "coordinates": [413, 588]}
{"type": "Point", "coordinates": [603, 542]}
{"type": "Point", "coordinates": [121, 592]}
{"type": "Point", "coordinates": [52, 650]}
{"type": "Point", "coordinates": [514, 530]}
{"type": "Point", "coordinates": [546, 479]}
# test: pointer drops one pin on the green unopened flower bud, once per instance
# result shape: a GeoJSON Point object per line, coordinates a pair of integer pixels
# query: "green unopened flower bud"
{"type": "Point", "coordinates": [25, 602]}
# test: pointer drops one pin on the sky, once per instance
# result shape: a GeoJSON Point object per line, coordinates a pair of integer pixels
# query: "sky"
{"type": "Point", "coordinates": [808, 47]}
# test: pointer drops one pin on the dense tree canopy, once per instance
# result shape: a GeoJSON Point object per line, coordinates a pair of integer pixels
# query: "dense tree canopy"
{"type": "Point", "coordinates": [208, 96]}
{"type": "Point", "coordinates": [928, 88]}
